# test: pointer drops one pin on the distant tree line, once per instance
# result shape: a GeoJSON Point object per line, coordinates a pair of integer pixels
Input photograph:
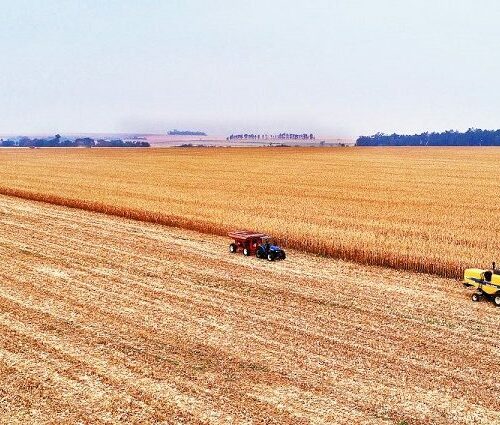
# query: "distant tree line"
{"type": "Point", "coordinates": [472, 137]}
{"type": "Point", "coordinates": [58, 142]}
{"type": "Point", "coordinates": [118, 143]}
{"type": "Point", "coordinates": [186, 133]}
{"type": "Point", "coordinates": [281, 136]}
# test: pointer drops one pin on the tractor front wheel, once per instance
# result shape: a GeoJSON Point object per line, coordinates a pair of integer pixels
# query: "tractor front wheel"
{"type": "Point", "coordinates": [496, 300]}
{"type": "Point", "coordinates": [270, 257]}
{"type": "Point", "coordinates": [232, 248]}
{"type": "Point", "coordinates": [246, 252]}
{"type": "Point", "coordinates": [476, 297]}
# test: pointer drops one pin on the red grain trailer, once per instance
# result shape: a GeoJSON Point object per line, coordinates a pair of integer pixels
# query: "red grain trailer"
{"type": "Point", "coordinates": [246, 241]}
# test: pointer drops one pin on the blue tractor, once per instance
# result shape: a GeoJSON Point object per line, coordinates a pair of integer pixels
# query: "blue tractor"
{"type": "Point", "coordinates": [269, 251]}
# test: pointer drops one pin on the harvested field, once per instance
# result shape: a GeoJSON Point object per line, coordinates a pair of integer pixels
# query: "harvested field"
{"type": "Point", "coordinates": [114, 321]}
{"type": "Point", "coordinates": [424, 209]}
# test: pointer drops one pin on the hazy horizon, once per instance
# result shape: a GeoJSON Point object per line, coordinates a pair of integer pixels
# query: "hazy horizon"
{"type": "Point", "coordinates": [340, 68]}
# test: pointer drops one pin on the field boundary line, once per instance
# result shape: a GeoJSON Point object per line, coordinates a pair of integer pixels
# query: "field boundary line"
{"type": "Point", "coordinates": [356, 255]}
{"type": "Point", "coordinates": [116, 211]}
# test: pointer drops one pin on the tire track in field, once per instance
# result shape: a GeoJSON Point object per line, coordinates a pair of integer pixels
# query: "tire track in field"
{"type": "Point", "coordinates": [193, 291]}
{"type": "Point", "coordinates": [359, 346]}
{"type": "Point", "coordinates": [243, 339]}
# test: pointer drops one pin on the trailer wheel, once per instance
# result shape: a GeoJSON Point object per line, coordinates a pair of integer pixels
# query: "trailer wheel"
{"type": "Point", "coordinates": [233, 248]}
{"type": "Point", "coordinates": [246, 252]}
{"type": "Point", "coordinates": [476, 297]}
{"type": "Point", "coordinates": [270, 257]}
{"type": "Point", "coordinates": [496, 300]}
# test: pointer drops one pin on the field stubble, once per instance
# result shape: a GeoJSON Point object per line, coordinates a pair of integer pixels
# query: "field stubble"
{"type": "Point", "coordinates": [106, 320]}
{"type": "Point", "coordinates": [432, 210]}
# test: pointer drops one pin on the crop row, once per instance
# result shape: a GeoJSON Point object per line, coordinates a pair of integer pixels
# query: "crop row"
{"type": "Point", "coordinates": [427, 210]}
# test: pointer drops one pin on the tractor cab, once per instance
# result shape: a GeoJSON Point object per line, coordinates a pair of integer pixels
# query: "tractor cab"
{"type": "Point", "coordinates": [266, 243]}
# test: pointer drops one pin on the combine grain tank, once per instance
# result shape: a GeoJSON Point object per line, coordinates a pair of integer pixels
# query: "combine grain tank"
{"type": "Point", "coordinates": [486, 282]}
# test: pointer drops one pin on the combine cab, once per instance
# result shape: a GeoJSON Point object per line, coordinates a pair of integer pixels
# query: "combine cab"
{"type": "Point", "coordinates": [258, 244]}
{"type": "Point", "coordinates": [486, 282]}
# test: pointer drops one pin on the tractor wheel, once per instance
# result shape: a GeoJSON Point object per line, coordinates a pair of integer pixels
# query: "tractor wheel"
{"type": "Point", "coordinates": [496, 300]}
{"type": "Point", "coordinates": [270, 257]}
{"type": "Point", "coordinates": [476, 297]}
{"type": "Point", "coordinates": [246, 252]}
{"type": "Point", "coordinates": [232, 248]}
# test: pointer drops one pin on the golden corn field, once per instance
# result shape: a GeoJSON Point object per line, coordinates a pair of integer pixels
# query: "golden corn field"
{"type": "Point", "coordinates": [111, 321]}
{"type": "Point", "coordinates": [434, 210]}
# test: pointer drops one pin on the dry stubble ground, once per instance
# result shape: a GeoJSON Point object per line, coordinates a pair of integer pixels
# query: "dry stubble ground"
{"type": "Point", "coordinates": [115, 321]}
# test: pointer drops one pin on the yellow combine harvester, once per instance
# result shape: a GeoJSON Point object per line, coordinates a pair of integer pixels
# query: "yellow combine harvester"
{"type": "Point", "coordinates": [486, 282]}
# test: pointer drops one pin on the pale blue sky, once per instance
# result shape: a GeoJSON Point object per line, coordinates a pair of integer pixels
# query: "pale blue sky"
{"type": "Point", "coordinates": [332, 67]}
